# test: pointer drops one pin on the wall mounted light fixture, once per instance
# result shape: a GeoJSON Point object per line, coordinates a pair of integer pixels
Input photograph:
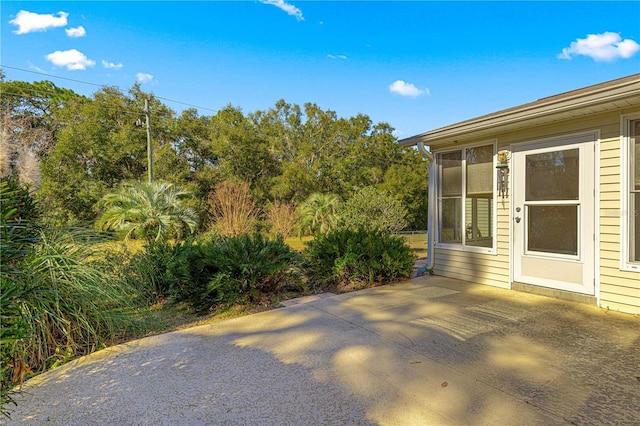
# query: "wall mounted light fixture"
{"type": "Point", "coordinates": [503, 173]}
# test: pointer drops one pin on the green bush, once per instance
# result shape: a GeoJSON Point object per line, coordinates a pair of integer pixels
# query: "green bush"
{"type": "Point", "coordinates": [372, 208]}
{"type": "Point", "coordinates": [209, 271]}
{"type": "Point", "coordinates": [251, 265]}
{"type": "Point", "coordinates": [150, 270]}
{"type": "Point", "coordinates": [349, 259]}
{"type": "Point", "coordinates": [18, 233]}
{"type": "Point", "coordinates": [191, 270]}
{"type": "Point", "coordinates": [59, 298]}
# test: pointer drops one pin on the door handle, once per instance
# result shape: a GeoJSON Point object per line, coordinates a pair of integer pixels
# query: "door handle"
{"type": "Point", "coordinates": [517, 219]}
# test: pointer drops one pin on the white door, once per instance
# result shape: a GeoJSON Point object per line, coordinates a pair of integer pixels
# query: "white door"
{"type": "Point", "coordinates": [554, 214]}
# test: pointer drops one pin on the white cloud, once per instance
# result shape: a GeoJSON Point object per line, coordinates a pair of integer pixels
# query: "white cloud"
{"type": "Point", "coordinates": [111, 65]}
{"type": "Point", "coordinates": [286, 7]}
{"type": "Point", "coordinates": [70, 59]}
{"type": "Point", "coordinates": [607, 46]}
{"type": "Point", "coordinates": [406, 89]}
{"type": "Point", "coordinates": [144, 77]}
{"type": "Point", "coordinates": [28, 22]}
{"type": "Point", "coordinates": [76, 32]}
{"type": "Point", "coordinates": [343, 57]}
{"type": "Point", "coordinates": [36, 68]}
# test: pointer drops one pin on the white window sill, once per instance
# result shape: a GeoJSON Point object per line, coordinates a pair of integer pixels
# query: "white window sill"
{"type": "Point", "coordinates": [469, 249]}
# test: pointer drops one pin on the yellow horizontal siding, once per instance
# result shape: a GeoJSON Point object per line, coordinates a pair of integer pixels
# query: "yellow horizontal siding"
{"type": "Point", "coordinates": [610, 238]}
{"type": "Point", "coordinates": [610, 182]}
{"type": "Point", "coordinates": [619, 290]}
{"type": "Point", "coordinates": [610, 220]}
{"type": "Point", "coordinates": [481, 268]}
{"type": "Point", "coordinates": [609, 256]}
{"type": "Point", "coordinates": [613, 162]}
{"type": "Point", "coordinates": [625, 291]}
{"type": "Point", "coordinates": [622, 307]}
{"type": "Point", "coordinates": [610, 207]}
{"type": "Point", "coordinates": [615, 276]}
{"type": "Point", "coordinates": [608, 247]}
{"type": "Point", "coordinates": [619, 303]}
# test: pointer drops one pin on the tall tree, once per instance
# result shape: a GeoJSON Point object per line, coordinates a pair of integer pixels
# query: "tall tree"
{"type": "Point", "coordinates": [100, 146]}
{"type": "Point", "coordinates": [27, 126]}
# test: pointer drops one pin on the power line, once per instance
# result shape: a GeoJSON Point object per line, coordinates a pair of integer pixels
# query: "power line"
{"type": "Point", "coordinates": [103, 85]}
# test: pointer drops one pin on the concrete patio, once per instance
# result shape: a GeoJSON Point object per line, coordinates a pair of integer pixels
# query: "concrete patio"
{"type": "Point", "coordinates": [427, 351]}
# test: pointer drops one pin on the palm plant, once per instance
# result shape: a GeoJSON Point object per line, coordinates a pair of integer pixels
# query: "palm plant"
{"type": "Point", "coordinates": [318, 214]}
{"type": "Point", "coordinates": [153, 211]}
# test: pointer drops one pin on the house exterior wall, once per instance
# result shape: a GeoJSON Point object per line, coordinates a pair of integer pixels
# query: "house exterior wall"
{"type": "Point", "coordinates": [616, 289]}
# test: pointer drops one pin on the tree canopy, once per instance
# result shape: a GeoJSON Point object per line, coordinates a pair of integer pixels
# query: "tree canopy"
{"type": "Point", "coordinates": [91, 145]}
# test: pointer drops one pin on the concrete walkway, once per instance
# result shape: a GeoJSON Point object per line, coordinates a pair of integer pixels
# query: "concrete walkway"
{"type": "Point", "coordinates": [427, 351]}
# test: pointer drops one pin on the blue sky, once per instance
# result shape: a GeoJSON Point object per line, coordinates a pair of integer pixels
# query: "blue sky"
{"type": "Point", "coordinates": [415, 65]}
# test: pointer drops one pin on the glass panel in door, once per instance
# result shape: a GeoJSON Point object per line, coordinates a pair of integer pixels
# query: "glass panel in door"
{"type": "Point", "coordinates": [552, 193]}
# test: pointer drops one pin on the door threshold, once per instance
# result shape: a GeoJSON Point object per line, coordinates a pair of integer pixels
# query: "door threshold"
{"type": "Point", "coordinates": [556, 294]}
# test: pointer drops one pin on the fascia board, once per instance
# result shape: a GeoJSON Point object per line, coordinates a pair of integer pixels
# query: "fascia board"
{"type": "Point", "coordinates": [503, 120]}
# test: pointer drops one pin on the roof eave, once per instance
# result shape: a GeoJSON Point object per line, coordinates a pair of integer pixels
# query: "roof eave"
{"type": "Point", "coordinates": [627, 91]}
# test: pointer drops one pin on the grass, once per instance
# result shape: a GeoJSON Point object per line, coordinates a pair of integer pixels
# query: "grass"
{"type": "Point", "coordinates": [297, 243]}
{"type": "Point", "coordinates": [163, 318]}
{"type": "Point", "coordinates": [417, 242]}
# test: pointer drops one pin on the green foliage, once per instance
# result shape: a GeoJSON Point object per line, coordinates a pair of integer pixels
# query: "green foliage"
{"type": "Point", "coordinates": [18, 233]}
{"type": "Point", "coordinates": [242, 153]}
{"type": "Point", "coordinates": [209, 271]}
{"type": "Point", "coordinates": [59, 295]}
{"type": "Point", "coordinates": [320, 152]}
{"type": "Point", "coordinates": [100, 146]}
{"type": "Point", "coordinates": [318, 214]}
{"type": "Point", "coordinates": [408, 181]}
{"type": "Point", "coordinates": [73, 302]}
{"type": "Point", "coordinates": [149, 270]}
{"type": "Point", "coordinates": [375, 209]}
{"type": "Point", "coordinates": [250, 265]}
{"type": "Point", "coordinates": [347, 259]}
{"type": "Point", "coordinates": [152, 211]}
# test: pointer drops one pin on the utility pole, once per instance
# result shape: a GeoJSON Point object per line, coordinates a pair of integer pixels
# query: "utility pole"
{"type": "Point", "coordinates": [149, 145]}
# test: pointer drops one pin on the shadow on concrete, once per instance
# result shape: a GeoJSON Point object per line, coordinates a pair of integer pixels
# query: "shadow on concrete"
{"type": "Point", "coordinates": [427, 351]}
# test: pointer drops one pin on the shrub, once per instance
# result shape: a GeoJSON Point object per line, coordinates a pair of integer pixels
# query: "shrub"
{"type": "Point", "coordinates": [149, 270]}
{"type": "Point", "coordinates": [233, 209]}
{"type": "Point", "coordinates": [281, 219]}
{"type": "Point", "coordinates": [375, 209]}
{"type": "Point", "coordinates": [193, 266]}
{"type": "Point", "coordinates": [152, 211]}
{"type": "Point", "coordinates": [18, 233]}
{"type": "Point", "coordinates": [212, 271]}
{"type": "Point", "coordinates": [251, 265]}
{"type": "Point", "coordinates": [348, 259]}
{"type": "Point", "coordinates": [318, 214]}
{"type": "Point", "coordinates": [74, 301]}
{"type": "Point", "coordinates": [59, 297]}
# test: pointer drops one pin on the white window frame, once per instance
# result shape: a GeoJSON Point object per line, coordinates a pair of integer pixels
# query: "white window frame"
{"type": "Point", "coordinates": [438, 186]}
{"type": "Point", "coordinates": [625, 189]}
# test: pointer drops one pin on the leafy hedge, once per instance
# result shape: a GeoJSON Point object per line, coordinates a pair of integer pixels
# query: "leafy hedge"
{"type": "Point", "coordinates": [349, 258]}
{"type": "Point", "coordinates": [209, 271]}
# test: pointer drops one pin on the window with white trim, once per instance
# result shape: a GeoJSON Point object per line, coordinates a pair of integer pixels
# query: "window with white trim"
{"type": "Point", "coordinates": [631, 201]}
{"type": "Point", "coordinates": [466, 207]}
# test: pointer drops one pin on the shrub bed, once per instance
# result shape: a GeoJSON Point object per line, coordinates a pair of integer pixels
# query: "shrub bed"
{"type": "Point", "coordinates": [209, 271]}
{"type": "Point", "coordinates": [346, 259]}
